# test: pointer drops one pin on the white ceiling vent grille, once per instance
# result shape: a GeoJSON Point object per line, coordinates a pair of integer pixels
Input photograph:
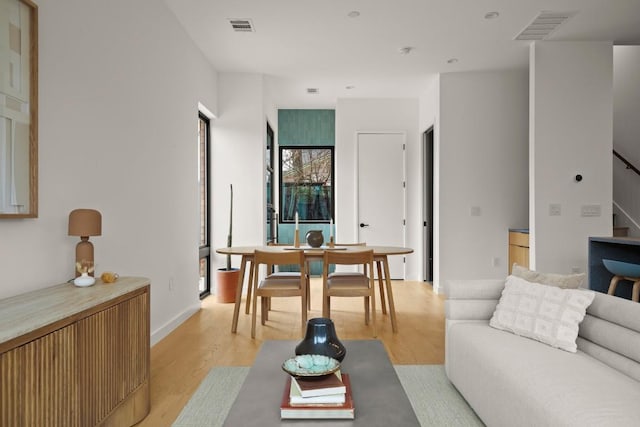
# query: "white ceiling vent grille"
{"type": "Point", "coordinates": [313, 90]}
{"type": "Point", "coordinates": [543, 25]}
{"type": "Point", "coordinates": [242, 25]}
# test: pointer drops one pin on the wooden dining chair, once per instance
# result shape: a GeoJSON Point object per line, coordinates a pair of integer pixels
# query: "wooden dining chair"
{"type": "Point", "coordinates": [378, 263]}
{"type": "Point", "coordinates": [277, 285]}
{"type": "Point", "coordinates": [349, 284]}
{"type": "Point", "coordinates": [292, 275]}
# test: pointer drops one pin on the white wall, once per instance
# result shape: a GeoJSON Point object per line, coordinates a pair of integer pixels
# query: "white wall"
{"type": "Point", "coordinates": [481, 160]}
{"type": "Point", "coordinates": [571, 105]}
{"type": "Point", "coordinates": [354, 115]}
{"type": "Point", "coordinates": [120, 83]}
{"type": "Point", "coordinates": [626, 134]}
{"type": "Point", "coordinates": [237, 153]}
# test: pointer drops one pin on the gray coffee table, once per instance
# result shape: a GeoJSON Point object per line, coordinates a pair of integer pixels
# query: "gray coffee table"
{"type": "Point", "coordinates": [378, 396]}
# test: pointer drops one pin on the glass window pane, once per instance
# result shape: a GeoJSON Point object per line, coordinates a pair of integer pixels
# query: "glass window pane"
{"type": "Point", "coordinates": [306, 183]}
{"type": "Point", "coordinates": [202, 176]}
{"type": "Point", "coordinates": [203, 284]}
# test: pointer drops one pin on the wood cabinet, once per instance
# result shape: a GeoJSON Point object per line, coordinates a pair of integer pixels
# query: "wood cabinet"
{"type": "Point", "coordinates": [518, 248]}
{"type": "Point", "coordinates": [76, 356]}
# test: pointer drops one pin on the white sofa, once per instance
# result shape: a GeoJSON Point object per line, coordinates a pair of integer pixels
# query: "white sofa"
{"type": "Point", "coordinates": [512, 381]}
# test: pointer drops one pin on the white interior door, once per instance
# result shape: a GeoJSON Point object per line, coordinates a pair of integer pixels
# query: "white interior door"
{"type": "Point", "coordinates": [381, 193]}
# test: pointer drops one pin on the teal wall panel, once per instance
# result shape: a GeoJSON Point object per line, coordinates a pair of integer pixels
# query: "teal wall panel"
{"type": "Point", "coordinates": [306, 127]}
{"type": "Point", "coordinates": [285, 235]}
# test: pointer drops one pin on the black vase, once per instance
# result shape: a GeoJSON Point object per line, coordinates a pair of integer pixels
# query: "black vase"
{"type": "Point", "coordinates": [321, 338]}
{"type": "Point", "coordinates": [315, 239]}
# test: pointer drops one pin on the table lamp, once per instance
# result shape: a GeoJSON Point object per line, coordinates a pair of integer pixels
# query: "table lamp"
{"type": "Point", "coordinates": [85, 223]}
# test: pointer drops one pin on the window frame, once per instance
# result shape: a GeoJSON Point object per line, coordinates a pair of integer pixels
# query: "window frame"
{"type": "Point", "coordinates": [204, 250]}
{"type": "Point", "coordinates": [281, 200]}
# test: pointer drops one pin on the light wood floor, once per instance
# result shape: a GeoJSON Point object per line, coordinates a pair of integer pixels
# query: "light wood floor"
{"type": "Point", "coordinates": [181, 360]}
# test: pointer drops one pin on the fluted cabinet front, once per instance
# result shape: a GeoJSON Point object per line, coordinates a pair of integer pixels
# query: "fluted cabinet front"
{"type": "Point", "coordinates": [114, 346]}
{"type": "Point", "coordinates": [39, 385]}
{"type": "Point", "coordinates": [90, 369]}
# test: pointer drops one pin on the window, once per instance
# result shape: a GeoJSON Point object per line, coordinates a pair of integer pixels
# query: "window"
{"type": "Point", "coordinates": [203, 180]}
{"type": "Point", "coordinates": [271, 226]}
{"type": "Point", "coordinates": [306, 184]}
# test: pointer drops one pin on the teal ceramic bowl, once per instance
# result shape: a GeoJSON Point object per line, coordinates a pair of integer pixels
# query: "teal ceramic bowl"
{"type": "Point", "coordinates": [620, 268]}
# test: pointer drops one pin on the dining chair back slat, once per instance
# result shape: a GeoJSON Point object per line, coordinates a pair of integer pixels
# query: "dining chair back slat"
{"type": "Point", "coordinates": [277, 284]}
{"type": "Point", "coordinates": [349, 284]}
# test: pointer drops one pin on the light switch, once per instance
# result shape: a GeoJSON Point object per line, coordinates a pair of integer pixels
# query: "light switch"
{"type": "Point", "coordinates": [590, 210]}
{"type": "Point", "coordinates": [555, 209]}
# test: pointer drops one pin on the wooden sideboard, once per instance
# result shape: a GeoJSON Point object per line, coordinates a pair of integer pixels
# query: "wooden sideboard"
{"type": "Point", "coordinates": [73, 356]}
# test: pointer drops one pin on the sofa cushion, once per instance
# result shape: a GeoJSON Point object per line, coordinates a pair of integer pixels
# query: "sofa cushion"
{"type": "Point", "coordinates": [545, 313]}
{"type": "Point", "coordinates": [565, 281]}
{"type": "Point", "coordinates": [515, 381]}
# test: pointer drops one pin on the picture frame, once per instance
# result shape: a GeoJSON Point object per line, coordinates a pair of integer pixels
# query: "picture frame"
{"type": "Point", "coordinates": [18, 109]}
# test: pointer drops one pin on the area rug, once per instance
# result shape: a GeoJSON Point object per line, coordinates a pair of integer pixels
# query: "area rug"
{"type": "Point", "coordinates": [435, 401]}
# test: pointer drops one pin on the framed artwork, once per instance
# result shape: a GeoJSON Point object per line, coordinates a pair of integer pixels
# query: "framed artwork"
{"type": "Point", "coordinates": [18, 109]}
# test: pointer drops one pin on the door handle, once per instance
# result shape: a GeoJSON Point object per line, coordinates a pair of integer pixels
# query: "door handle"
{"type": "Point", "coordinates": [362, 225]}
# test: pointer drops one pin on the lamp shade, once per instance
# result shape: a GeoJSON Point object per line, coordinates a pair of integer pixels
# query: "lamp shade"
{"type": "Point", "coordinates": [85, 222]}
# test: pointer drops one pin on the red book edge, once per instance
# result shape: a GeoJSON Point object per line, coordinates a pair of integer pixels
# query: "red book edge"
{"type": "Point", "coordinates": [347, 405]}
{"type": "Point", "coordinates": [331, 381]}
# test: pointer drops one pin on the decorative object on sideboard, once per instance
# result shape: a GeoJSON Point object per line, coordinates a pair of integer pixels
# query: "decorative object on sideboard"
{"type": "Point", "coordinates": [227, 278]}
{"type": "Point", "coordinates": [315, 239]}
{"type": "Point", "coordinates": [85, 223]}
{"type": "Point", "coordinates": [321, 338]}
{"type": "Point", "coordinates": [109, 277]}
{"type": "Point", "coordinates": [84, 280]}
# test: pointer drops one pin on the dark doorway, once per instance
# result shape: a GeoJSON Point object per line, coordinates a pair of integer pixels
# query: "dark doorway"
{"type": "Point", "coordinates": [427, 141]}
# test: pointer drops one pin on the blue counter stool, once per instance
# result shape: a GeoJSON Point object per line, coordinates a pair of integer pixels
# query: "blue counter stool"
{"type": "Point", "coordinates": [623, 271]}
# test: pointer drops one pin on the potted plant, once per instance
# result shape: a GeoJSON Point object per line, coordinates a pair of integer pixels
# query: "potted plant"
{"type": "Point", "coordinates": [227, 278]}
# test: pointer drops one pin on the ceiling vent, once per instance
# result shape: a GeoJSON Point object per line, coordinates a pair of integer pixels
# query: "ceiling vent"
{"type": "Point", "coordinates": [242, 25]}
{"type": "Point", "coordinates": [543, 25]}
{"type": "Point", "coordinates": [313, 90]}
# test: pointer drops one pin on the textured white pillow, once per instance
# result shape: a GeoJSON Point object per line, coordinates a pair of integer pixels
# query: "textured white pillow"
{"type": "Point", "coordinates": [544, 313]}
{"type": "Point", "coordinates": [565, 281]}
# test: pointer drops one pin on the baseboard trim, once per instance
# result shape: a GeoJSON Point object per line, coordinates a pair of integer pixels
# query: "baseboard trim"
{"type": "Point", "coordinates": [167, 328]}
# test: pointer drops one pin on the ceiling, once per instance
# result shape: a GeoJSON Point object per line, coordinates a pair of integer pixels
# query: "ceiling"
{"type": "Point", "coordinates": [300, 44]}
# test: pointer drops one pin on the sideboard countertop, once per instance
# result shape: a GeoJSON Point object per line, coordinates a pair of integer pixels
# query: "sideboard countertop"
{"type": "Point", "coordinates": [30, 311]}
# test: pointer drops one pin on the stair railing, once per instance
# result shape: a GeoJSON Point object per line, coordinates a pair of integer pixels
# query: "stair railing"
{"type": "Point", "coordinates": [630, 166]}
{"type": "Point", "coordinates": [626, 162]}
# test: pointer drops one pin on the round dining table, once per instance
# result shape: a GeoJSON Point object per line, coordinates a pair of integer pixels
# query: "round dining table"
{"type": "Point", "coordinates": [380, 254]}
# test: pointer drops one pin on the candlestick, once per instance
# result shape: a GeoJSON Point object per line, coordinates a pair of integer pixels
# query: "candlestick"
{"type": "Point", "coordinates": [331, 229]}
{"type": "Point", "coordinates": [296, 220]}
{"type": "Point", "coordinates": [296, 239]}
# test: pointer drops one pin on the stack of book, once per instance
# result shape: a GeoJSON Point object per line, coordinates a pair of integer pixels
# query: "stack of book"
{"type": "Point", "coordinates": [328, 397]}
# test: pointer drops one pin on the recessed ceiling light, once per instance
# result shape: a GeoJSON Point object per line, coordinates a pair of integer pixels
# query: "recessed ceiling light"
{"type": "Point", "coordinates": [353, 14]}
{"type": "Point", "coordinates": [405, 50]}
{"type": "Point", "coordinates": [452, 60]}
{"type": "Point", "coordinates": [491, 15]}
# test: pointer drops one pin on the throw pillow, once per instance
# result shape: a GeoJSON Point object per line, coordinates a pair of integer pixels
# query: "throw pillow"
{"type": "Point", "coordinates": [565, 281]}
{"type": "Point", "coordinates": [544, 313]}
